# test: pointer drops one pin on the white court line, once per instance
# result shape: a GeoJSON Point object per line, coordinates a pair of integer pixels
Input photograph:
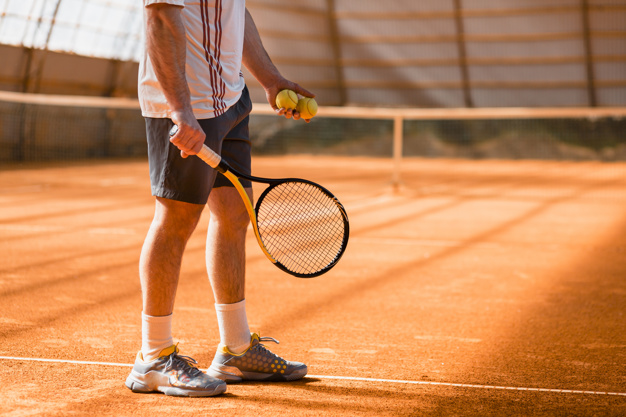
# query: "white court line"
{"type": "Point", "coordinates": [66, 361]}
{"type": "Point", "coordinates": [30, 228]}
{"type": "Point", "coordinates": [354, 378]}
{"type": "Point", "coordinates": [370, 202]}
{"type": "Point", "coordinates": [408, 241]}
{"type": "Point", "coordinates": [450, 384]}
{"type": "Point", "coordinates": [42, 229]}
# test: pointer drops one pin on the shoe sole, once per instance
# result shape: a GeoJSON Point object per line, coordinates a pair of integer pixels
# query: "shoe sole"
{"type": "Point", "coordinates": [222, 372]}
{"type": "Point", "coordinates": [138, 387]}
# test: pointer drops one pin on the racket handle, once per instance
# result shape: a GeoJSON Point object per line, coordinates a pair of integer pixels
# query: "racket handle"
{"type": "Point", "coordinates": [210, 157]}
{"type": "Point", "coordinates": [206, 153]}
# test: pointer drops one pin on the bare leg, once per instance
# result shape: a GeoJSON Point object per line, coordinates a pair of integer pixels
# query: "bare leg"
{"type": "Point", "coordinates": [162, 252]}
{"type": "Point", "coordinates": [225, 249]}
{"type": "Point", "coordinates": [158, 367]}
{"type": "Point", "coordinates": [225, 258]}
{"type": "Point", "coordinates": [226, 266]}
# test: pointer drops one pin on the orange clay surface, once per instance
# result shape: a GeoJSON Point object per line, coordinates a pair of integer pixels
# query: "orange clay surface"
{"type": "Point", "coordinates": [479, 288]}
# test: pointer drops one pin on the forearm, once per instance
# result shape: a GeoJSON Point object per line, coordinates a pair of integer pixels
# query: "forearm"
{"type": "Point", "coordinates": [166, 47]}
{"type": "Point", "coordinates": [258, 62]}
{"type": "Point", "coordinates": [255, 58]}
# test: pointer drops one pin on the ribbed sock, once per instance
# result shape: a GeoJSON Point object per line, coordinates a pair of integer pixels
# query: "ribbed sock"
{"type": "Point", "coordinates": [233, 325]}
{"type": "Point", "coordinates": [156, 335]}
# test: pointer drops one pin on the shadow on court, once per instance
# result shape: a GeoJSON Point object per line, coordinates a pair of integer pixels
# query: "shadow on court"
{"type": "Point", "coordinates": [489, 273]}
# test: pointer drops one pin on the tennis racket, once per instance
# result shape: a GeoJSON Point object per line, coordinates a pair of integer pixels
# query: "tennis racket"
{"type": "Point", "coordinates": [301, 227]}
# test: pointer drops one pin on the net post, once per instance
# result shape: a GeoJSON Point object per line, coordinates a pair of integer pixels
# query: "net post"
{"type": "Point", "coordinates": [398, 138]}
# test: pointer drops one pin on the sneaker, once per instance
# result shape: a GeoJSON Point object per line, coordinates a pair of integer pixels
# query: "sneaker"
{"type": "Point", "coordinates": [172, 374]}
{"type": "Point", "coordinates": [257, 363]}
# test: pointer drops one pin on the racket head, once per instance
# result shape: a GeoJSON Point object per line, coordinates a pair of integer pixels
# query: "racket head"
{"type": "Point", "coordinates": [303, 226]}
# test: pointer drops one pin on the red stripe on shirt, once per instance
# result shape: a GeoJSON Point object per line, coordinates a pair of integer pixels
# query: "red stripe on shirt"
{"type": "Point", "coordinates": [211, 61]}
{"type": "Point", "coordinates": [221, 90]}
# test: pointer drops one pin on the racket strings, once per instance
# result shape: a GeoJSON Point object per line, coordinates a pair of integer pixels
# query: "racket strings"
{"type": "Point", "coordinates": [301, 226]}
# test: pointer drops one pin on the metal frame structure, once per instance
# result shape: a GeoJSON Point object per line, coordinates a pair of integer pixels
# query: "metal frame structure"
{"type": "Point", "coordinates": [321, 55]}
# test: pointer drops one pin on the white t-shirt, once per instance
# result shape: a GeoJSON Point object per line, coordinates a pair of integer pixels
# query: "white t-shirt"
{"type": "Point", "coordinates": [215, 31]}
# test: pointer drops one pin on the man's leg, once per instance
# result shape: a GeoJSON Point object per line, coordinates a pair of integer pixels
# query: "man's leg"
{"type": "Point", "coordinates": [159, 269]}
{"type": "Point", "coordinates": [225, 259]}
{"type": "Point", "coordinates": [158, 367]}
{"type": "Point", "coordinates": [241, 355]}
{"type": "Point", "coordinates": [162, 252]}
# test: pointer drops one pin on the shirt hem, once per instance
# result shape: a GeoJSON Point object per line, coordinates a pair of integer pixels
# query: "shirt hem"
{"type": "Point", "coordinates": [198, 113]}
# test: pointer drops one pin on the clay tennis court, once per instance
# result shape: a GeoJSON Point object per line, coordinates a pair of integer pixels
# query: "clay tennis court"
{"type": "Point", "coordinates": [479, 288]}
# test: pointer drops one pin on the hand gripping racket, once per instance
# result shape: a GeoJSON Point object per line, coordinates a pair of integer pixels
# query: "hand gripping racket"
{"type": "Point", "coordinates": [300, 226]}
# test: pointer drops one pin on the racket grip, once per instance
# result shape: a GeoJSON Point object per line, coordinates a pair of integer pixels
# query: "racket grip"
{"type": "Point", "coordinates": [210, 157]}
{"type": "Point", "coordinates": [206, 153]}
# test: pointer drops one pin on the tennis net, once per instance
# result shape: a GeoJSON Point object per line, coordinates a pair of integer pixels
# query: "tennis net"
{"type": "Point", "coordinates": [44, 128]}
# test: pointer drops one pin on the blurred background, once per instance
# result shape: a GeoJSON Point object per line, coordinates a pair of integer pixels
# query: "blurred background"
{"type": "Point", "coordinates": [461, 54]}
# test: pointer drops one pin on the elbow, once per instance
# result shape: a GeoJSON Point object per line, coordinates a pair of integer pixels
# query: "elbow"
{"type": "Point", "coordinates": [162, 15]}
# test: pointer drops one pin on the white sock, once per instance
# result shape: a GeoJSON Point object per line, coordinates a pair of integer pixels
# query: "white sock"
{"type": "Point", "coordinates": [156, 335]}
{"type": "Point", "coordinates": [233, 324]}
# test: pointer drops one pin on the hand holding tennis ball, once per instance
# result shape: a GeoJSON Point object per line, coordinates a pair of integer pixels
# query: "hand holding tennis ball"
{"type": "Point", "coordinates": [307, 107]}
{"type": "Point", "coordinates": [287, 99]}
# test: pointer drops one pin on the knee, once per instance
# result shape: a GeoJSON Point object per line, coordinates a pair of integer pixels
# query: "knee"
{"type": "Point", "coordinates": [228, 211]}
{"type": "Point", "coordinates": [233, 217]}
{"type": "Point", "coordinates": [175, 219]}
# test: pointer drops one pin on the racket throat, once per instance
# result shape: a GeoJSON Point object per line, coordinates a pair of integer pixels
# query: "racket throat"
{"type": "Point", "coordinates": [248, 204]}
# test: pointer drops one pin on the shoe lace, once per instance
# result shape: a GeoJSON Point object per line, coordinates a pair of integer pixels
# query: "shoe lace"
{"type": "Point", "coordinates": [262, 347]}
{"type": "Point", "coordinates": [268, 339]}
{"type": "Point", "coordinates": [189, 364]}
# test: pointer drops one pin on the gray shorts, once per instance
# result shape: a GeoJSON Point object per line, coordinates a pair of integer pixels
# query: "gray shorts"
{"type": "Point", "coordinates": [190, 179]}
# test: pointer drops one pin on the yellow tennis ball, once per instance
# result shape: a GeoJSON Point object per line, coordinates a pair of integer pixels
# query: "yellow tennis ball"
{"type": "Point", "coordinates": [286, 99]}
{"type": "Point", "coordinates": [307, 107]}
